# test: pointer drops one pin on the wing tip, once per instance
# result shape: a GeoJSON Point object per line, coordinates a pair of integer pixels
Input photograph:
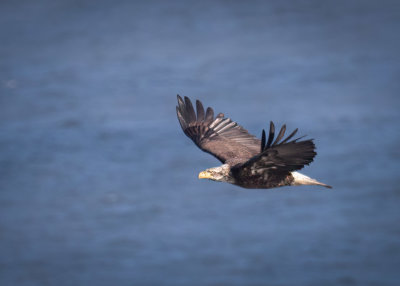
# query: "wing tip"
{"type": "Point", "coordinates": [262, 140]}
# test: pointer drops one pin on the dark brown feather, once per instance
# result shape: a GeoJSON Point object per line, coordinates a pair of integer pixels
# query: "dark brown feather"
{"type": "Point", "coordinates": [209, 115]}
{"type": "Point", "coordinates": [200, 111]}
{"type": "Point", "coordinates": [280, 135]}
{"type": "Point", "coordinates": [191, 115]}
{"type": "Point", "coordinates": [262, 140]}
{"type": "Point", "coordinates": [219, 136]}
{"type": "Point", "coordinates": [271, 134]}
{"type": "Point", "coordinates": [289, 137]}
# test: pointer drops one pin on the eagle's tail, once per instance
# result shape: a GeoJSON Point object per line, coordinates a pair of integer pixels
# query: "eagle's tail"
{"type": "Point", "coordinates": [300, 179]}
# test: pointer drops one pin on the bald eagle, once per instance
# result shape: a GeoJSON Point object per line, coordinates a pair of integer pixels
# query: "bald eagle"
{"type": "Point", "coordinates": [247, 161]}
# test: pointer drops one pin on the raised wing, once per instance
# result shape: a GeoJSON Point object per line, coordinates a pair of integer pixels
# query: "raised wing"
{"type": "Point", "coordinates": [278, 158]}
{"type": "Point", "coordinates": [219, 136]}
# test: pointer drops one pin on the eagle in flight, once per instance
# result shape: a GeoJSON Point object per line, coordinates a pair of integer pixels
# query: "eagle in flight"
{"type": "Point", "coordinates": [247, 161]}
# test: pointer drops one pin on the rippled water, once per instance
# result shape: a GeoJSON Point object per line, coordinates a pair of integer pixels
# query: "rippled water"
{"type": "Point", "coordinates": [98, 184]}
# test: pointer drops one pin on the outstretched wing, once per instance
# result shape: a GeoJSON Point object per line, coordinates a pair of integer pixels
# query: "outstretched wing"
{"type": "Point", "coordinates": [219, 136]}
{"type": "Point", "coordinates": [280, 157]}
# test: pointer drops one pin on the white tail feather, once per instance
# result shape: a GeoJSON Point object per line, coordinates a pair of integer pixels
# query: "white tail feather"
{"type": "Point", "coordinates": [300, 179]}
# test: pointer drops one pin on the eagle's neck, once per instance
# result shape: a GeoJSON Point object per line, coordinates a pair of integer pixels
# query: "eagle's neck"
{"type": "Point", "coordinates": [227, 174]}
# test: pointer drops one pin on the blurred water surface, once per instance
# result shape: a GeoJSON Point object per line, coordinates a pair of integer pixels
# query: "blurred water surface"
{"type": "Point", "coordinates": [98, 184]}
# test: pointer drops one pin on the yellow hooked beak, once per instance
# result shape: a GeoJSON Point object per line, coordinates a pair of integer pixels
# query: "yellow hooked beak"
{"type": "Point", "coordinates": [205, 175]}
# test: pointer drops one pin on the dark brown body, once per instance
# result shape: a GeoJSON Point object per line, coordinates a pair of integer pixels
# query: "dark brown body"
{"type": "Point", "coordinates": [259, 180]}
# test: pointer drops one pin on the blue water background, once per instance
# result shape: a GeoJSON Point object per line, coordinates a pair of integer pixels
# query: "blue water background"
{"type": "Point", "coordinates": [98, 184]}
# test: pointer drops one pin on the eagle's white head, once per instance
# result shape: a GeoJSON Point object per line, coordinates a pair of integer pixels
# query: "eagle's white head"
{"type": "Point", "coordinates": [219, 174]}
